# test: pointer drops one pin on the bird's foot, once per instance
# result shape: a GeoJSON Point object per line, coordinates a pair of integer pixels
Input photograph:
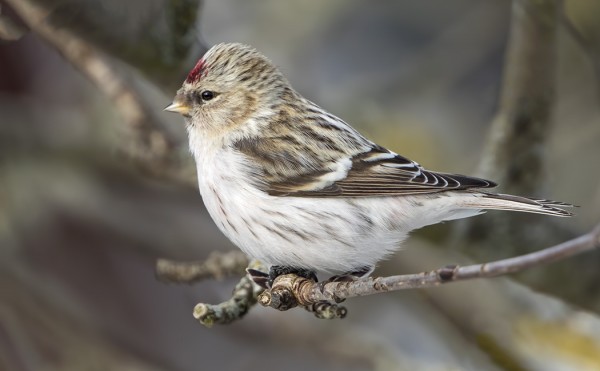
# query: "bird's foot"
{"type": "Point", "coordinates": [280, 270]}
{"type": "Point", "coordinates": [266, 280]}
{"type": "Point", "coordinates": [259, 277]}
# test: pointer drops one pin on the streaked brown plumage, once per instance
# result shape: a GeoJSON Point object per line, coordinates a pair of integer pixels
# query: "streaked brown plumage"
{"type": "Point", "coordinates": [294, 185]}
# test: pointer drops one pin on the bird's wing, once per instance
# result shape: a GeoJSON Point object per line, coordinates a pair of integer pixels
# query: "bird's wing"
{"type": "Point", "coordinates": [365, 170]}
{"type": "Point", "coordinates": [322, 156]}
{"type": "Point", "coordinates": [377, 172]}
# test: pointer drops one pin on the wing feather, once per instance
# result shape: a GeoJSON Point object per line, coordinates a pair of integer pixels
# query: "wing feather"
{"type": "Point", "coordinates": [372, 174]}
{"type": "Point", "coordinates": [322, 156]}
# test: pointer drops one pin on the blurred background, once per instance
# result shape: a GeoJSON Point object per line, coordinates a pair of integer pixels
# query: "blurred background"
{"type": "Point", "coordinates": [96, 182]}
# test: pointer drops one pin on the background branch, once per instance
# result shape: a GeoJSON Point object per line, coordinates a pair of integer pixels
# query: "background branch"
{"type": "Point", "coordinates": [588, 45]}
{"type": "Point", "coordinates": [514, 154]}
{"type": "Point", "coordinates": [218, 266]}
{"type": "Point", "coordinates": [96, 67]}
{"type": "Point", "coordinates": [160, 38]}
{"type": "Point", "coordinates": [10, 29]}
{"type": "Point", "coordinates": [151, 147]}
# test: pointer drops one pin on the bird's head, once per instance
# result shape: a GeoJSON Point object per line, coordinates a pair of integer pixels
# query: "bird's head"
{"type": "Point", "coordinates": [228, 87]}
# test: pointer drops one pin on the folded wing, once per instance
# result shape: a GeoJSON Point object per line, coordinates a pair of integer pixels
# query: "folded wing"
{"type": "Point", "coordinates": [374, 173]}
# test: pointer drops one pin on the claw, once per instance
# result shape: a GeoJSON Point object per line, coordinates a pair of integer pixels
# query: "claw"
{"type": "Point", "coordinates": [259, 277]}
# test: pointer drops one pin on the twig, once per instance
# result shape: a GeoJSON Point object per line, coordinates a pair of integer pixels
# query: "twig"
{"type": "Point", "coordinates": [291, 290]}
{"type": "Point", "coordinates": [96, 67]}
{"type": "Point", "coordinates": [326, 310]}
{"type": "Point", "coordinates": [10, 30]}
{"type": "Point", "coordinates": [243, 298]}
{"type": "Point", "coordinates": [245, 294]}
{"type": "Point", "coordinates": [218, 265]}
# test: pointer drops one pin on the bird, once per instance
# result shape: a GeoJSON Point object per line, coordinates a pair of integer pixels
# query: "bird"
{"type": "Point", "coordinates": [301, 190]}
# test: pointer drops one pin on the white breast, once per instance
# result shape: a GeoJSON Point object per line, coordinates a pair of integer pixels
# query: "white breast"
{"type": "Point", "coordinates": [321, 234]}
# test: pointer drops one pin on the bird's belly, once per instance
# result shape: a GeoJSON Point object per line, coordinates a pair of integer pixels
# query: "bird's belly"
{"type": "Point", "coordinates": [333, 235]}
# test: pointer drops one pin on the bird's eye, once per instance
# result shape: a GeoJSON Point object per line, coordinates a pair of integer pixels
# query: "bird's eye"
{"type": "Point", "coordinates": [207, 95]}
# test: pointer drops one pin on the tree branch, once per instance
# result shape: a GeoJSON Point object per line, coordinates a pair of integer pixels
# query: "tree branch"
{"type": "Point", "coordinates": [245, 294]}
{"type": "Point", "coordinates": [95, 66]}
{"type": "Point", "coordinates": [218, 265]}
{"type": "Point", "coordinates": [243, 298]}
{"type": "Point", "coordinates": [160, 38]}
{"type": "Point", "coordinates": [513, 154]}
{"type": "Point", "coordinates": [152, 148]}
{"type": "Point", "coordinates": [291, 290]}
{"type": "Point", "coordinates": [10, 29]}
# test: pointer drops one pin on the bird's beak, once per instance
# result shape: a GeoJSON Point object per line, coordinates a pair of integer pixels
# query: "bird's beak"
{"type": "Point", "coordinates": [178, 107]}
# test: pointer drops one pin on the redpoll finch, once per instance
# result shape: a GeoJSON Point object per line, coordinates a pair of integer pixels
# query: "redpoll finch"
{"type": "Point", "coordinates": [297, 187]}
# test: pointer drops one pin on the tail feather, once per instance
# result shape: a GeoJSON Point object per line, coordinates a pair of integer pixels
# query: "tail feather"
{"type": "Point", "coordinates": [495, 201]}
{"type": "Point", "coordinates": [553, 203]}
